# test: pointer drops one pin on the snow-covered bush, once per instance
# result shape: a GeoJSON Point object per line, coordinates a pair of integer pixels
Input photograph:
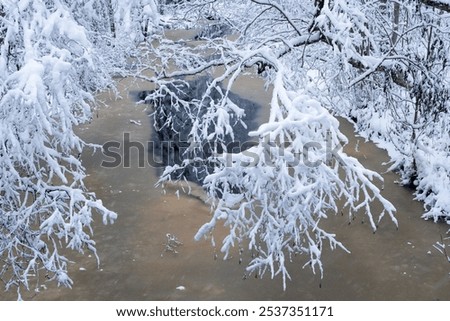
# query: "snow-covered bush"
{"type": "Point", "coordinates": [407, 110]}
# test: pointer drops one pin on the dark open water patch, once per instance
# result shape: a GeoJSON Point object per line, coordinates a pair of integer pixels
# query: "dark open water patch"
{"type": "Point", "coordinates": [214, 30]}
{"type": "Point", "coordinates": [170, 140]}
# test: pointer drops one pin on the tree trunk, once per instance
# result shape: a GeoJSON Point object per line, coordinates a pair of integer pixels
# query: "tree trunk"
{"type": "Point", "coordinates": [396, 20]}
{"type": "Point", "coordinates": [112, 24]}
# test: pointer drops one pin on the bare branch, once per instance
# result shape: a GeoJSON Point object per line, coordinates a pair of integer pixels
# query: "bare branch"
{"type": "Point", "coordinates": [286, 16]}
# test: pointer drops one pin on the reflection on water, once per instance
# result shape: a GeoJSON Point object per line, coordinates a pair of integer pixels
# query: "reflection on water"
{"type": "Point", "coordinates": [389, 265]}
{"type": "Point", "coordinates": [173, 124]}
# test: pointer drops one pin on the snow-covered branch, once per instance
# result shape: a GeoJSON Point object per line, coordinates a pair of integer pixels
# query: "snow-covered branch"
{"type": "Point", "coordinates": [274, 194]}
{"type": "Point", "coordinates": [273, 200]}
{"type": "Point", "coordinates": [438, 4]}
{"type": "Point", "coordinates": [54, 55]}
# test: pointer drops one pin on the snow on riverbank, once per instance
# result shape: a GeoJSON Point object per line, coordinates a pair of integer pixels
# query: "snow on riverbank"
{"type": "Point", "coordinates": [423, 164]}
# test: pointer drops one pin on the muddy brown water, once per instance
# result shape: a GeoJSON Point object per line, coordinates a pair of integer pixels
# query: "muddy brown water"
{"type": "Point", "coordinates": [388, 265]}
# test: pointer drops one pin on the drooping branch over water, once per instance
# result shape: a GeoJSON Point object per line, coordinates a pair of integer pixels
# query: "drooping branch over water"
{"type": "Point", "coordinates": [274, 195]}
{"type": "Point", "coordinates": [54, 55]}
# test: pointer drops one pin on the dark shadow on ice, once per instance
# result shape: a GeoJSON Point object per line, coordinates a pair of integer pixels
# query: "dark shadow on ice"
{"type": "Point", "coordinates": [172, 124]}
{"type": "Point", "coordinates": [214, 30]}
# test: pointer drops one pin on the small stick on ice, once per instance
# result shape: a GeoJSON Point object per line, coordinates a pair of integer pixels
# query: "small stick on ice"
{"type": "Point", "coordinates": [136, 122]}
